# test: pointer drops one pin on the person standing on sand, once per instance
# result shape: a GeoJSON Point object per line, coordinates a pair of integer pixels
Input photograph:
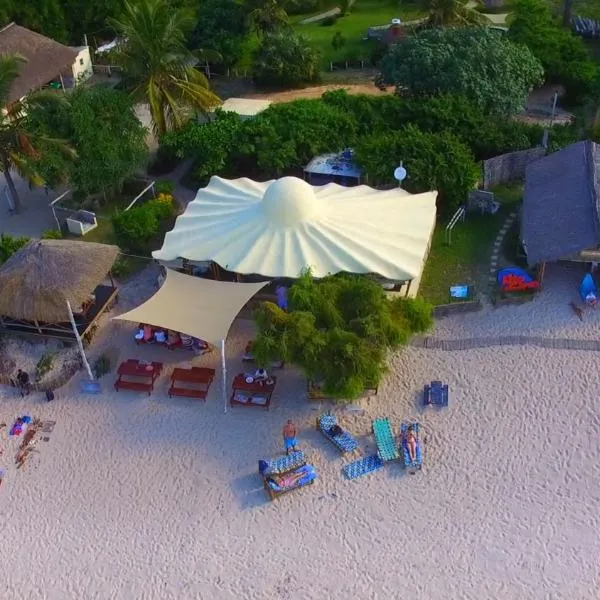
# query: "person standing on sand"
{"type": "Point", "coordinates": [289, 437]}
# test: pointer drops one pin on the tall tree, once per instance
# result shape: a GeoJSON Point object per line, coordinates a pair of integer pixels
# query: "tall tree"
{"type": "Point", "coordinates": [476, 62]}
{"type": "Point", "coordinates": [221, 26]}
{"type": "Point", "coordinates": [21, 145]}
{"type": "Point", "coordinates": [105, 155]}
{"type": "Point", "coordinates": [564, 56]}
{"type": "Point", "coordinates": [266, 16]}
{"type": "Point", "coordinates": [446, 13]}
{"type": "Point", "coordinates": [285, 58]}
{"type": "Point", "coordinates": [157, 67]}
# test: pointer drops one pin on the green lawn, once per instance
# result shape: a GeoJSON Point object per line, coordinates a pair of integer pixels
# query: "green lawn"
{"type": "Point", "coordinates": [364, 14]}
{"type": "Point", "coordinates": [467, 259]}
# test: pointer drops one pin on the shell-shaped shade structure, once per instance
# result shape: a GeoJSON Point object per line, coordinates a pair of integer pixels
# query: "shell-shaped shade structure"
{"type": "Point", "coordinates": [278, 228]}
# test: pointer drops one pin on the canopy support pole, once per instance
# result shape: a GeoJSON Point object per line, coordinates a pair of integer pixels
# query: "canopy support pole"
{"type": "Point", "coordinates": [79, 342]}
{"type": "Point", "coordinates": [224, 375]}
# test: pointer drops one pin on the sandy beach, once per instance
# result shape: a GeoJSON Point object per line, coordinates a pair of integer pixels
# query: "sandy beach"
{"type": "Point", "coordinates": [138, 497]}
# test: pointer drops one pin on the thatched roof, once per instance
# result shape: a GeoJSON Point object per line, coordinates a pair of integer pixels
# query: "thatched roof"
{"type": "Point", "coordinates": [46, 59]}
{"type": "Point", "coordinates": [561, 203]}
{"type": "Point", "coordinates": [37, 281]}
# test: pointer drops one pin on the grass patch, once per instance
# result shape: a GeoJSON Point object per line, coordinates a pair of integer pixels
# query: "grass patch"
{"type": "Point", "coordinates": [467, 259]}
{"type": "Point", "coordinates": [354, 26]}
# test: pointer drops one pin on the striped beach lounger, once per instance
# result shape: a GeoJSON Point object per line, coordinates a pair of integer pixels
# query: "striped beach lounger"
{"type": "Point", "coordinates": [281, 464]}
{"type": "Point", "coordinates": [384, 438]}
{"type": "Point", "coordinates": [344, 441]}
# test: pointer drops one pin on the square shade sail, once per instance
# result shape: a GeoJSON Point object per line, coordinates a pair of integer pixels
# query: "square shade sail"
{"type": "Point", "coordinates": [202, 308]}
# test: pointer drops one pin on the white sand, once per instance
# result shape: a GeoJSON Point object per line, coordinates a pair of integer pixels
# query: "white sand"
{"type": "Point", "coordinates": [139, 497]}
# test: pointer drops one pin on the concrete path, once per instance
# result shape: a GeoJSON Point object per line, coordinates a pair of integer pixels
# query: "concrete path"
{"type": "Point", "coordinates": [495, 19]}
{"type": "Point", "coordinates": [322, 16]}
{"type": "Point", "coordinates": [36, 215]}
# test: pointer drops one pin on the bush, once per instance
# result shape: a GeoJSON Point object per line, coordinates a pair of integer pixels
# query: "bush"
{"type": "Point", "coordinates": [165, 186]}
{"type": "Point", "coordinates": [433, 161]}
{"type": "Point", "coordinates": [285, 58]}
{"type": "Point", "coordinates": [211, 144]}
{"type": "Point", "coordinates": [101, 366]}
{"type": "Point", "coordinates": [44, 365]}
{"type": "Point", "coordinates": [338, 331]}
{"type": "Point", "coordinates": [52, 234]}
{"type": "Point", "coordinates": [287, 135]}
{"type": "Point", "coordinates": [9, 245]}
{"type": "Point", "coordinates": [135, 228]}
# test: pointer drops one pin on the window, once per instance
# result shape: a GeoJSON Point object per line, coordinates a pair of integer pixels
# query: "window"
{"type": "Point", "coordinates": [81, 61]}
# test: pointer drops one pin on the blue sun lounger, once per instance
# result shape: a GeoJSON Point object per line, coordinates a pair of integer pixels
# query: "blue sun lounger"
{"type": "Point", "coordinates": [344, 441]}
{"type": "Point", "coordinates": [435, 393]}
{"type": "Point", "coordinates": [281, 464]}
{"type": "Point", "coordinates": [384, 438]}
{"type": "Point", "coordinates": [417, 464]}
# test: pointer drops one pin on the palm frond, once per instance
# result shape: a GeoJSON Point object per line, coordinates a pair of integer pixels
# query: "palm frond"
{"type": "Point", "coordinates": [157, 64]}
{"type": "Point", "coordinates": [10, 68]}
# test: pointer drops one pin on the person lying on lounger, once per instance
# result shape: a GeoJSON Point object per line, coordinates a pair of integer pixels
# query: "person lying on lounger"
{"type": "Point", "coordinates": [410, 439]}
{"type": "Point", "coordinates": [300, 476]}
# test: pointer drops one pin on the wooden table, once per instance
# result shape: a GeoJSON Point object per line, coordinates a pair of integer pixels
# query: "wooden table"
{"type": "Point", "coordinates": [257, 393]}
{"type": "Point", "coordinates": [195, 376]}
{"type": "Point", "coordinates": [135, 368]}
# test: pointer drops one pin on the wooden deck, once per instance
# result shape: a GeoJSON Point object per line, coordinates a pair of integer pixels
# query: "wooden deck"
{"type": "Point", "coordinates": [106, 296]}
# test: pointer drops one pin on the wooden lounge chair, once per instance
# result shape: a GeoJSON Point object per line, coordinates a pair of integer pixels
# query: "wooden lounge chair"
{"type": "Point", "coordinates": [274, 469]}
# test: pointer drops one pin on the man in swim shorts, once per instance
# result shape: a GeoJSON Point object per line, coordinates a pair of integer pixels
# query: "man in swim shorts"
{"type": "Point", "coordinates": [289, 437]}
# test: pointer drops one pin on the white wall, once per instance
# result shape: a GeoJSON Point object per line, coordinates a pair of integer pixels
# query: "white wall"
{"type": "Point", "coordinates": [82, 67]}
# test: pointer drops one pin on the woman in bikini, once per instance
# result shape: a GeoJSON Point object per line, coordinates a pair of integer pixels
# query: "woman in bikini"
{"type": "Point", "coordinates": [410, 440]}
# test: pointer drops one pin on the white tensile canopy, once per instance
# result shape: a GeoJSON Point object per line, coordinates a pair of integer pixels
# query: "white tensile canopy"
{"type": "Point", "coordinates": [202, 308]}
{"type": "Point", "coordinates": [279, 228]}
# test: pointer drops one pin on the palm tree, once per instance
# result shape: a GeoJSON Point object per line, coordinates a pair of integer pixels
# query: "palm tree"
{"type": "Point", "coordinates": [444, 13]}
{"type": "Point", "coordinates": [267, 16]}
{"type": "Point", "coordinates": [20, 145]}
{"type": "Point", "coordinates": [157, 66]}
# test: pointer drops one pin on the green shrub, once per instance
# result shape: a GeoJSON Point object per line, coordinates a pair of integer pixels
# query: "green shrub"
{"type": "Point", "coordinates": [101, 366]}
{"type": "Point", "coordinates": [165, 186]}
{"type": "Point", "coordinates": [338, 331]}
{"type": "Point", "coordinates": [9, 245]}
{"type": "Point", "coordinates": [135, 228]}
{"type": "Point", "coordinates": [44, 365]}
{"type": "Point", "coordinates": [438, 161]}
{"type": "Point", "coordinates": [52, 234]}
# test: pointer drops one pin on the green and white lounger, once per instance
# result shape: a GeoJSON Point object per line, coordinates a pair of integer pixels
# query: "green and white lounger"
{"type": "Point", "coordinates": [384, 438]}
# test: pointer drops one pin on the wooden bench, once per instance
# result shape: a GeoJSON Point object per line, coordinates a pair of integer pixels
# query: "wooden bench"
{"type": "Point", "coordinates": [139, 386]}
{"type": "Point", "coordinates": [187, 392]}
{"type": "Point", "coordinates": [196, 376]}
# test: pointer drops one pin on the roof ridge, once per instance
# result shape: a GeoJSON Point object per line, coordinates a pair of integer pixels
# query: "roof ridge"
{"type": "Point", "coordinates": [7, 26]}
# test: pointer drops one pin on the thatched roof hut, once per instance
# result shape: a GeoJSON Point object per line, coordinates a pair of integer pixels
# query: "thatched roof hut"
{"type": "Point", "coordinates": [46, 59]}
{"type": "Point", "coordinates": [37, 281]}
